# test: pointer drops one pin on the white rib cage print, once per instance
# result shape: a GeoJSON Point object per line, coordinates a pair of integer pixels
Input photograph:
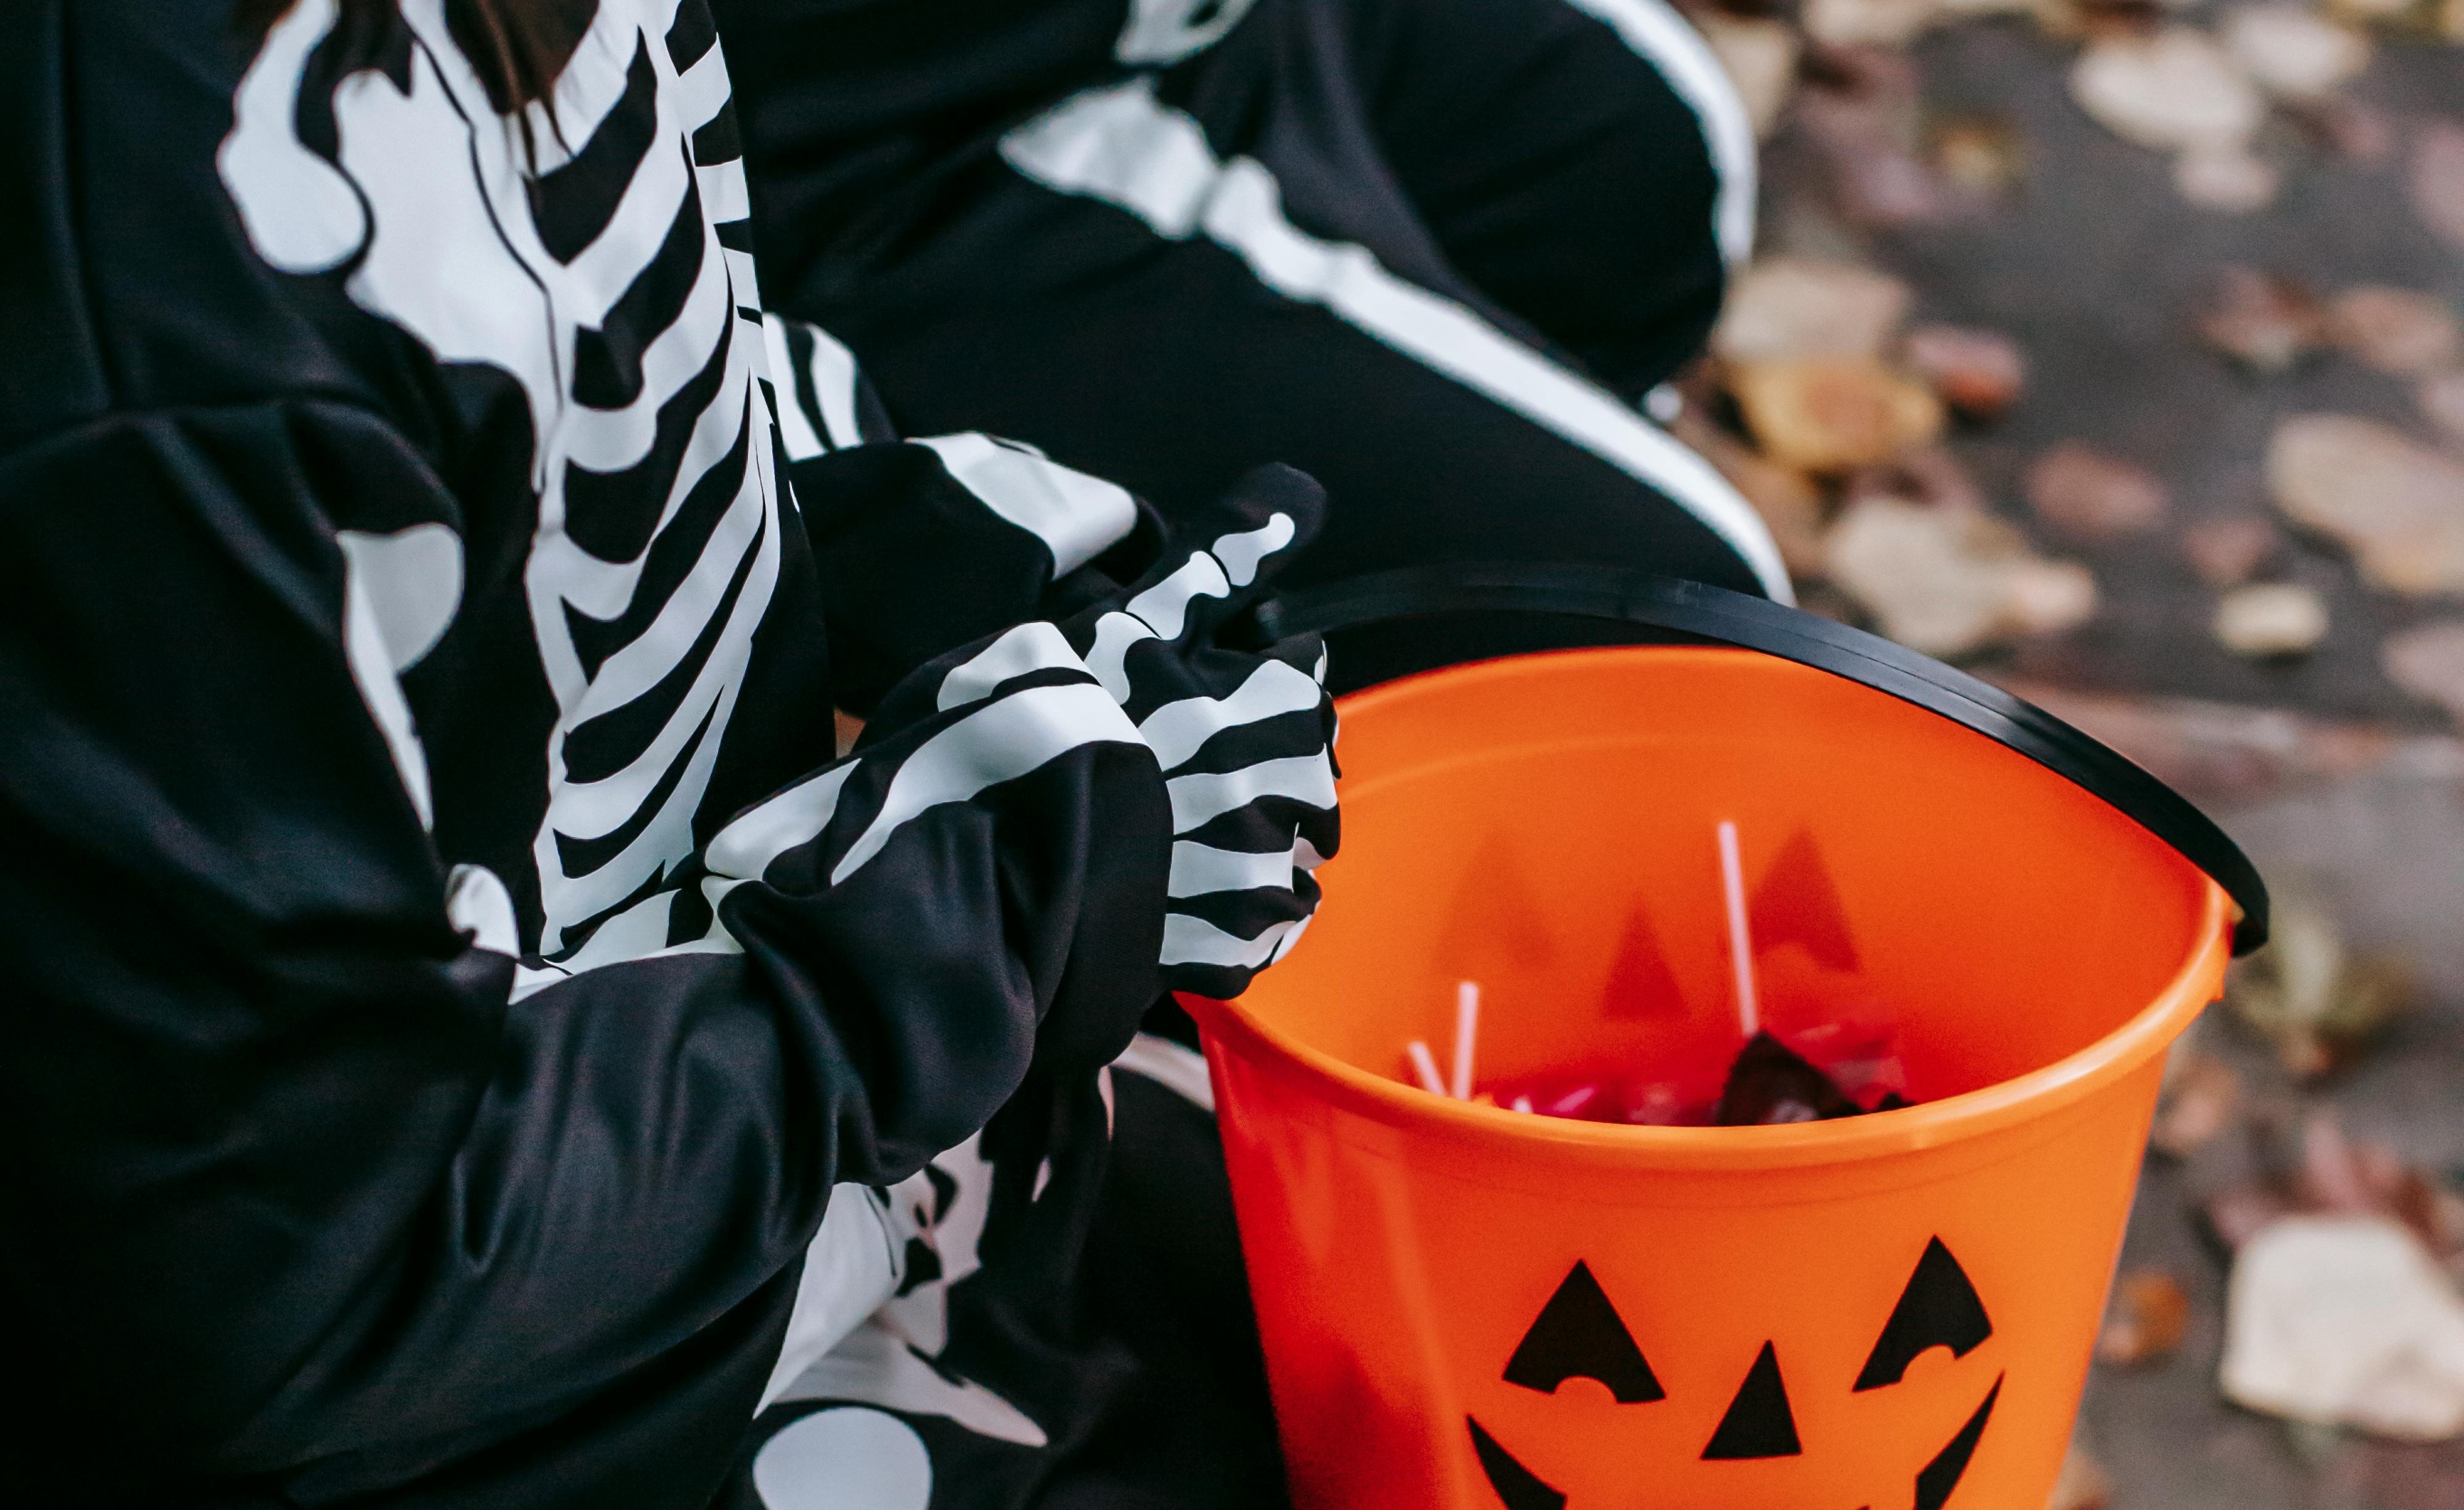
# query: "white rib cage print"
{"type": "Point", "coordinates": [609, 275]}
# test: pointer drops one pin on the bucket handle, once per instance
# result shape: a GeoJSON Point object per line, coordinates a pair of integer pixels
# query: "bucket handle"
{"type": "Point", "coordinates": [1716, 616]}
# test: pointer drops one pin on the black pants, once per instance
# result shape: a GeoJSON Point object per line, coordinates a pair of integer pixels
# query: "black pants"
{"type": "Point", "coordinates": [1431, 252]}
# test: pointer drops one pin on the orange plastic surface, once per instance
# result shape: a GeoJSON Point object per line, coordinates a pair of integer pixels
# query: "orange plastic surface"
{"type": "Point", "coordinates": [1516, 823]}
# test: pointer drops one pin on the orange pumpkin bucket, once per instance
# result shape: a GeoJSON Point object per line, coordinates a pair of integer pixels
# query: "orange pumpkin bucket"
{"type": "Point", "coordinates": [1465, 1306]}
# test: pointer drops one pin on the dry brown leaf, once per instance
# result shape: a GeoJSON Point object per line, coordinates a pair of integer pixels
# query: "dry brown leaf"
{"type": "Point", "coordinates": [2293, 52]}
{"type": "Point", "coordinates": [1983, 157]}
{"type": "Point", "coordinates": [1799, 307]}
{"type": "Point", "coordinates": [2262, 320]}
{"type": "Point", "coordinates": [2427, 662]}
{"type": "Point", "coordinates": [1948, 582]}
{"type": "Point", "coordinates": [2336, 1175]}
{"type": "Point", "coordinates": [2229, 180]}
{"type": "Point", "coordinates": [1760, 55]}
{"type": "Point", "coordinates": [2173, 92]}
{"type": "Point", "coordinates": [1868, 23]}
{"type": "Point", "coordinates": [2227, 549]}
{"type": "Point", "coordinates": [1978, 373]}
{"type": "Point", "coordinates": [2345, 1321]}
{"type": "Point", "coordinates": [2312, 997]}
{"type": "Point", "coordinates": [2200, 1105]}
{"type": "Point", "coordinates": [2441, 397]}
{"type": "Point", "coordinates": [2085, 492]}
{"type": "Point", "coordinates": [1929, 475]}
{"type": "Point", "coordinates": [2401, 332]}
{"type": "Point", "coordinates": [2239, 1212]}
{"type": "Point", "coordinates": [2149, 1317]}
{"type": "Point", "coordinates": [2437, 181]}
{"type": "Point", "coordinates": [2413, 1475]}
{"type": "Point", "coordinates": [1859, 109]}
{"type": "Point", "coordinates": [2350, 128]}
{"type": "Point", "coordinates": [2268, 620]}
{"type": "Point", "coordinates": [2099, 20]}
{"type": "Point", "coordinates": [1833, 414]}
{"type": "Point", "coordinates": [1789, 502]}
{"type": "Point", "coordinates": [2374, 12]}
{"type": "Point", "coordinates": [2397, 505]}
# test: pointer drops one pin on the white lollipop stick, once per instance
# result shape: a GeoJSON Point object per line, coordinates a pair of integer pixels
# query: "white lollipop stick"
{"type": "Point", "coordinates": [1466, 1034]}
{"type": "Point", "coordinates": [1741, 943]}
{"type": "Point", "coordinates": [1425, 1065]}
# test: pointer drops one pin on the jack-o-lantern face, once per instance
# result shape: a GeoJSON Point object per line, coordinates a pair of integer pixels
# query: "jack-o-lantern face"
{"type": "Point", "coordinates": [1579, 1335]}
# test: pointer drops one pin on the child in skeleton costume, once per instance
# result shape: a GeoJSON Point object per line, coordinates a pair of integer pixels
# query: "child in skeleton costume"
{"type": "Point", "coordinates": [1434, 253]}
{"type": "Point", "coordinates": [471, 1039]}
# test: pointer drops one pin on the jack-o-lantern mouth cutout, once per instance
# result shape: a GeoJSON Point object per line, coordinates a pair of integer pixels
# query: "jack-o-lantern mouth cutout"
{"type": "Point", "coordinates": [1579, 1335]}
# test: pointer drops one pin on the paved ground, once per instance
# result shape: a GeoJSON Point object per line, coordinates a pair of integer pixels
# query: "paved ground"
{"type": "Point", "coordinates": [2097, 268]}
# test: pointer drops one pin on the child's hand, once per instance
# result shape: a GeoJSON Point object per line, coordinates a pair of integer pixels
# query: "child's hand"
{"type": "Point", "coordinates": [1240, 742]}
{"type": "Point", "coordinates": [1246, 739]}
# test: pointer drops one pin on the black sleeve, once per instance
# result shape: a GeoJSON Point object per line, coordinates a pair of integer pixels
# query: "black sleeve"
{"type": "Point", "coordinates": [300, 1174]}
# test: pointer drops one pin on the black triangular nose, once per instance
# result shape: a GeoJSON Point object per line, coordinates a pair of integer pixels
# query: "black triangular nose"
{"type": "Point", "coordinates": [1759, 1423]}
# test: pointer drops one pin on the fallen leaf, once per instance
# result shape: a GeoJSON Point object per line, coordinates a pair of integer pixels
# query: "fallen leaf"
{"type": "Point", "coordinates": [2149, 1317]}
{"type": "Point", "coordinates": [2226, 550]}
{"type": "Point", "coordinates": [1929, 475]}
{"type": "Point", "coordinates": [1860, 108]}
{"type": "Point", "coordinates": [1981, 156]}
{"type": "Point", "coordinates": [1760, 55]}
{"type": "Point", "coordinates": [2401, 332]}
{"type": "Point", "coordinates": [2372, 12]}
{"type": "Point", "coordinates": [2085, 492]}
{"type": "Point", "coordinates": [2075, 20]}
{"type": "Point", "coordinates": [2437, 181]}
{"type": "Point", "coordinates": [2345, 1321]}
{"type": "Point", "coordinates": [2413, 1475]}
{"type": "Point", "coordinates": [2171, 92]}
{"type": "Point", "coordinates": [2361, 132]}
{"type": "Point", "coordinates": [2309, 994]}
{"type": "Point", "coordinates": [1831, 414]}
{"type": "Point", "coordinates": [2238, 1213]}
{"type": "Point", "coordinates": [1950, 581]}
{"type": "Point", "coordinates": [2429, 663]}
{"type": "Point", "coordinates": [2083, 1484]}
{"type": "Point", "coordinates": [2294, 53]}
{"type": "Point", "coordinates": [1978, 372]}
{"type": "Point", "coordinates": [2442, 398]}
{"type": "Point", "coordinates": [2425, 20]}
{"type": "Point", "coordinates": [1868, 23]}
{"type": "Point", "coordinates": [2397, 505]}
{"type": "Point", "coordinates": [1799, 307]}
{"type": "Point", "coordinates": [2229, 180]}
{"type": "Point", "coordinates": [2200, 1105]}
{"type": "Point", "coordinates": [2267, 621]}
{"type": "Point", "coordinates": [1789, 502]}
{"type": "Point", "coordinates": [2333, 1174]}
{"type": "Point", "coordinates": [2265, 321]}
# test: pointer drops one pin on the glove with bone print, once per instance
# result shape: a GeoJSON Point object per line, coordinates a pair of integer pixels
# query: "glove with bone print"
{"type": "Point", "coordinates": [1245, 738]}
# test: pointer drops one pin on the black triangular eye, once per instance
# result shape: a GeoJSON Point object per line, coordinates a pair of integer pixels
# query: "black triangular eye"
{"type": "Point", "coordinates": [1579, 1335]}
{"type": "Point", "coordinates": [1938, 1309]}
{"type": "Point", "coordinates": [1759, 1424]}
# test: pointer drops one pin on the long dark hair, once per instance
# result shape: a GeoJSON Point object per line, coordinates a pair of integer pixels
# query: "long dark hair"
{"type": "Point", "coordinates": [518, 47]}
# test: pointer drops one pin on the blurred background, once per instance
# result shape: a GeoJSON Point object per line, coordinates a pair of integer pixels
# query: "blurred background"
{"type": "Point", "coordinates": [2110, 348]}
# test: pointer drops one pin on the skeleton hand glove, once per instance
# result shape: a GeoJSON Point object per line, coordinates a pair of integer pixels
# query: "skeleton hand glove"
{"type": "Point", "coordinates": [1245, 741]}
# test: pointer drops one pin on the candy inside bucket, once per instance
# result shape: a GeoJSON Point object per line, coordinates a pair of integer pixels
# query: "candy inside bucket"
{"type": "Point", "coordinates": [1839, 1061]}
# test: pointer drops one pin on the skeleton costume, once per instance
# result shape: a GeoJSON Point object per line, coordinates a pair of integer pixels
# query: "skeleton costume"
{"type": "Point", "coordinates": [1434, 253]}
{"type": "Point", "coordinates": [470, 1039]}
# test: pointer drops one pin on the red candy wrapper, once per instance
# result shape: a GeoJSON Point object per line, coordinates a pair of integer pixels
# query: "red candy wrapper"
{"type": "Point", "coordinates": [1835, 1070]}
